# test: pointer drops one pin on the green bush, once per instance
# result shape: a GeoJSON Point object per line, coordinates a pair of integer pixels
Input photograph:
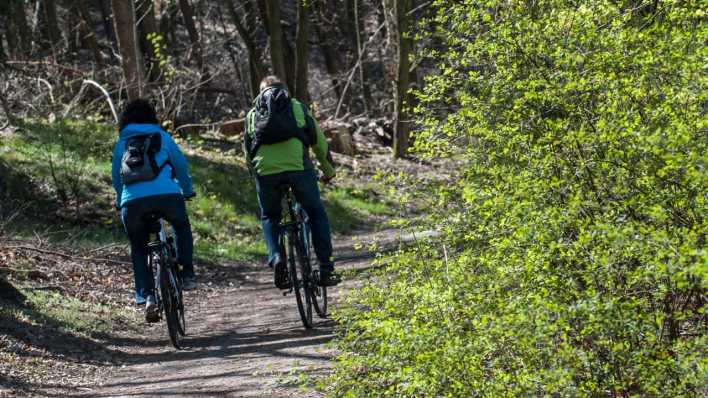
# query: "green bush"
{"type": "Point", "coordinates": [572, 260]}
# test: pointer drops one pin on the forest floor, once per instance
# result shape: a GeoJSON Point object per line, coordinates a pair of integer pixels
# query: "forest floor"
{"type": "Point", "coordinates": [245, 341]}
{"type": "Point", "coordinates": [78, 334]}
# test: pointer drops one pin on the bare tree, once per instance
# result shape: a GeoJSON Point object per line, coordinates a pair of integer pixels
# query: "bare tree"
{"type": "Point", "coordinates": [51, 22]}
{"type": "Point", "coordinates": [256, 68]}
{"type": "Point", "coordinates": [3, 56]}
{"type": "Point", "coordinates": [87, 32]}
{"type": "Point", "coordinates": [17, 33]}
{"type": "Point", "coordinates": [188, 14]}
{"type": "Point", "coordinates": [329, 53]}
{"type": "Point", "coordinates": [124, 19]}
{"type": "Point", "coordinates": [168, 16]}
{"type": "Point", "coordinates": [302, 53]}
{"type": "Point", "coordinates": [147, 29]}
{"type": "Point", "coordinates": [275, 38]}
{"type": "Point", "coordinates": [401, 20]}
{"type": "Point", "coordinates": [364, 66]}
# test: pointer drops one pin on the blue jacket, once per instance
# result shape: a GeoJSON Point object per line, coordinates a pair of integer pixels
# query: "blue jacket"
{"type": "Point", "coordinates": [164, 183]}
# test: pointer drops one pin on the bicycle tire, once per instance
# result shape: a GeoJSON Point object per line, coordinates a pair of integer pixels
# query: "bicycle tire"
{"type": "Point", "coordinates": [304, 302]}
{"type": "Point", "coordinates": [168, 292]}
{"type": "Point", "coordinates": [317, 292]}
{"type": "Point", "coordinates": [176, 280]}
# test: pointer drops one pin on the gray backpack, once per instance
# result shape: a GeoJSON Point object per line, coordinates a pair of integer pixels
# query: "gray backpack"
{"type": "Point", "coordinates": [138, 162]}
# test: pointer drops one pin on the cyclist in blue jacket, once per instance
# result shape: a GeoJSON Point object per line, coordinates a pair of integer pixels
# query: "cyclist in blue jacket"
{"type": "Point", "coordinates": [160, 184]}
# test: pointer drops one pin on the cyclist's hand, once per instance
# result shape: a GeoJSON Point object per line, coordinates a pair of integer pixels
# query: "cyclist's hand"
{"type": "Point", "coordinates": [327, 180]}
{"type": "Point", "coordinates": [190, 196]}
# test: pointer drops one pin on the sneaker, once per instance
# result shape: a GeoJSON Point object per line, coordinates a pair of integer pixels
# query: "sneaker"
{"type": "Point", "coordinates": [280, 276]}
{"type": "Point", "coordinates": [152, 313]}
{"type": "Point", "coordinates": [329, 278]}
{"type": "Point", "coordinates": [189, 283]}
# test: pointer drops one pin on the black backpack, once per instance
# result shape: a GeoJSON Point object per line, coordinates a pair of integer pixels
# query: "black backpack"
{"type": "Point", "coordinates": [274, 121]}
{"type": "Point", "coordinates": [138, 162]}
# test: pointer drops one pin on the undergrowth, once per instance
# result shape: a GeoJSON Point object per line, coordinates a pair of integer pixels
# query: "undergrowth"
{"type": "Point", "coordinates": [572, 257]}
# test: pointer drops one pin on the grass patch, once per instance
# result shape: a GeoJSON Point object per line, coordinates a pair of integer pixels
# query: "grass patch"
{"type": "Point", "coordinates": [349, 206]}
{"type": "Point", "coordinates": [60, 177]}
{"type": "Point", "coordinates": [65, 314]}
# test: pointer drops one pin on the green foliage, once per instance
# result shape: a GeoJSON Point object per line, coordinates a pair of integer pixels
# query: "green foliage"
{"type": "Point", "coordinates": [572, 260]}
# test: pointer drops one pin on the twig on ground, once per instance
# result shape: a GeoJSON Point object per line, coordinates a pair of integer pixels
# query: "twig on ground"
{"type": "Point", "coordinates": [110, 246]}
{"type": "Point", "coordinates": [66, 256]}
{"type": "Point", "coordinates": [108, 96]}
{"type": "Point", "coordinates": [51, 89]}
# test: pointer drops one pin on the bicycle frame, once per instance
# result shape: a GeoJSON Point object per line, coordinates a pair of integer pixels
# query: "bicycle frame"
{"type": "Point", "coordinates": [167, 289]}
{"type": "Point", "coordinates": [294, 230]}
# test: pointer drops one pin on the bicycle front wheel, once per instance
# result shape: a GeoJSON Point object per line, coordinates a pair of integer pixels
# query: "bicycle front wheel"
{"type": "Point", "coordinates": [171, 304]}
{"type": "Point", "coordinates": [304, 302]}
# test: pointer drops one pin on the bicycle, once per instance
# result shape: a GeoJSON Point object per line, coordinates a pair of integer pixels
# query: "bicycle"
{"type": "Point", "coordinates": [295, 243]}
{"type": "Point", "coordinates": [168, 283]}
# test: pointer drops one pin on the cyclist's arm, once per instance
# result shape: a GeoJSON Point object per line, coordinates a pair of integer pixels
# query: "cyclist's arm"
{"type": "Point", "coordinates": [321, 150]}
{"type": "Point", "coordinates": [180, 165]}
{"type": "Point", "coordinates": [115, 172]}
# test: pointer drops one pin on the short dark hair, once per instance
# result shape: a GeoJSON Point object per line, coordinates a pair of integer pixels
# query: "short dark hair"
{"type": "Point", "coordinates": [270, 81]}
{"type": "Point", "coordinates": [137, 111]}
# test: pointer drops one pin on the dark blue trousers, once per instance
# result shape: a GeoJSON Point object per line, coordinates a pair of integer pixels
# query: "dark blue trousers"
{"type": "Point", "coordinates": [171, 208]}
{"type": "Point", "coordinates": [307, 193]}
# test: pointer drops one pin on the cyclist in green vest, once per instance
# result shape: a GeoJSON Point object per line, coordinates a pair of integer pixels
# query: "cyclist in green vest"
{"type": "Point", "coordinates": [279, 133]}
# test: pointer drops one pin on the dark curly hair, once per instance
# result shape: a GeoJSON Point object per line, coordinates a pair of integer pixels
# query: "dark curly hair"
{"type": "Point", "coordinates": [137, 111]}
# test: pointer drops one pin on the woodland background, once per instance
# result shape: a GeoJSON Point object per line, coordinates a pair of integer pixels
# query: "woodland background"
{"type": "Point", "coordinates": [555, 149]}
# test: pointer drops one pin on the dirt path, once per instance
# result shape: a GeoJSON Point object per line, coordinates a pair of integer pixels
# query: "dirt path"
{"type": "Point", "coordinates": [244, 341]}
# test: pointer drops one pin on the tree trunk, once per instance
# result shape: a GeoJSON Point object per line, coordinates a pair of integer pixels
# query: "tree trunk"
{"type": "Point", "coordinates": [147, 28]}
{"type": "Point", "coordinates": [256, 69]}
{"type": "Point", "coordinates": [349, 26]}
{"type": "Point", "coordinates": [363, 67]}
{"type": "Point", "coordinates": [105, 7]}
{"type": "Point", "coordinates": [188, 15]}
{"type": "Point", "coordinates": [12, 42]}
{"type": "Point", "coordinates": [72, 28]}
{"type": "Point", "coordinates": [330, 55]}
{"type": "Point", "coordinates": [51, 24]}
{"type": "Point", "coordinates": [124, 18]}
{"type": "Point", "coordinates": [289, 54]}
{"type": "Point", "coordinates": [167, 26]}
{"type": "Point", "coordinates": [3, 56]}
{"type": "Point", "coordinates": [263, 10]}
{"type": "Point", "coordinates": [301, 53]}
{"type": "Point", "coordinates": [275, 39]}
{"type": "Point", "coordinates": [404, 44]}
{"type": "Point", "coordinates": [18, 28]}
{"type": "Point", "coordinates": [87, 32]}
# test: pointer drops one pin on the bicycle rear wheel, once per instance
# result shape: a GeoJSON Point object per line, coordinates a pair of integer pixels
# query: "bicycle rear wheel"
{"type": "Point", "coordinates": [302, 296]}
{"type": "Point", "coordinates": [171, 303]}
{"type": "Point", "coordinates": [317, 292]}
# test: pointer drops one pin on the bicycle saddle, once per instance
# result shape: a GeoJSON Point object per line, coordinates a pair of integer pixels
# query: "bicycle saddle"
{"type": "Point", "coordinates": [152, 222]}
